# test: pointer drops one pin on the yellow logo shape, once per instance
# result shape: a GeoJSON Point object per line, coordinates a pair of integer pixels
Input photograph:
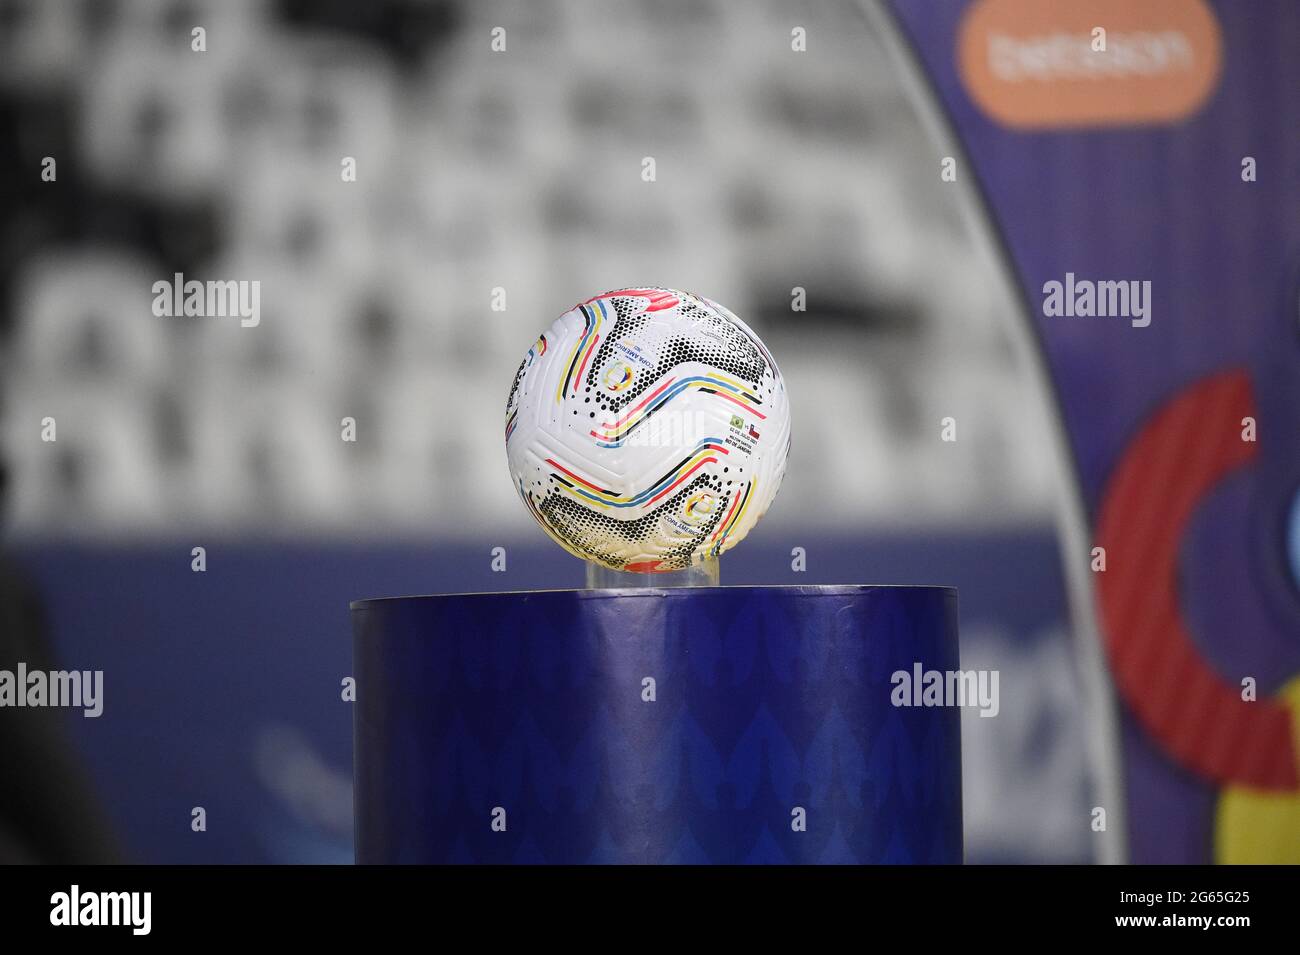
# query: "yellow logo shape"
{"type": "Point", "coordinates": [699, 508]}
{"type": "Point", "coordinates": [1257, 826]}
{"type": "Point", "coordinates": [618, 376]}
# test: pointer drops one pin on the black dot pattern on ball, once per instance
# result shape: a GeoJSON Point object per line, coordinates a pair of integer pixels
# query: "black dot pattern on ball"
{"type": "Point", "coordinates": [514, 388]}
{"type": "Point", "coordinates": [587, 530]}
{"type": "Point", "coordinates": [735, 354]}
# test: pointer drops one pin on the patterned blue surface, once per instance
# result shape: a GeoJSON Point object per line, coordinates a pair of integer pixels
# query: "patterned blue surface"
{"type": "Point", "coordinates": [767, 699]}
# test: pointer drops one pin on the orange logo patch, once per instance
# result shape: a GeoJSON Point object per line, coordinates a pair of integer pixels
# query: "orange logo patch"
{"type": "Point", "coordinates": [1044, 64]}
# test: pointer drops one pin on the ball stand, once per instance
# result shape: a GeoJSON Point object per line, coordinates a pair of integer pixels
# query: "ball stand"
{"type": "Point", "coordinates": [703, 573]}
{"type": "Point", "coordinates": [655, 725]}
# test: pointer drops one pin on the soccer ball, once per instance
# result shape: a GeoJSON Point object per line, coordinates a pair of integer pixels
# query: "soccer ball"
{"type": "Point", "coordinates": [647, 430]}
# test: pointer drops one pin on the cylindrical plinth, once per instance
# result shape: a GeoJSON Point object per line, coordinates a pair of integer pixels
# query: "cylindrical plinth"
{"type": "Point", "coordinates": [712, 724]}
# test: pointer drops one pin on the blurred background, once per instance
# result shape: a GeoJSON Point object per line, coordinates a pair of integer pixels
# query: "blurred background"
{"type": "Point", "coordinates": [499, 153]}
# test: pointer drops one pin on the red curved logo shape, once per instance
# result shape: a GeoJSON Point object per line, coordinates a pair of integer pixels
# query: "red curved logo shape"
{"type": "Point", "coordinates": [1181, 453]}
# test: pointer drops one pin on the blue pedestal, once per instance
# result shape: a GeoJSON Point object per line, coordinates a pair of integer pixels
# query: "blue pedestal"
{"type": "Point", "coordinates": [648, 726]}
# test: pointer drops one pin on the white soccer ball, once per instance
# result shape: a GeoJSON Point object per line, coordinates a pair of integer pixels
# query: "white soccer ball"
{"type": "Point", "coordinates": [647, 430]}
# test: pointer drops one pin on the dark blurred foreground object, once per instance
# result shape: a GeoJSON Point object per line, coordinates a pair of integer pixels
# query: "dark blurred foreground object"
{"type": "Point", "coordinates": [686, 725]}
{"type": "Point", "coordinates": [48, 814]}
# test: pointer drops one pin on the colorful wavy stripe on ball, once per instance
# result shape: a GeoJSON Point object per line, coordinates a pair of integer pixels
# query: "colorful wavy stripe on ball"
{"type": "Point", "coordinates": [614, 433]}
{"type": "Point", "coordinates": [584, 489]}
{"type": "Point", "coordinates": [656, 298]}
{"type": "Point", "coordinates": [738, 505]}
{"type": "Point", "coordinates": [582, 351]}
